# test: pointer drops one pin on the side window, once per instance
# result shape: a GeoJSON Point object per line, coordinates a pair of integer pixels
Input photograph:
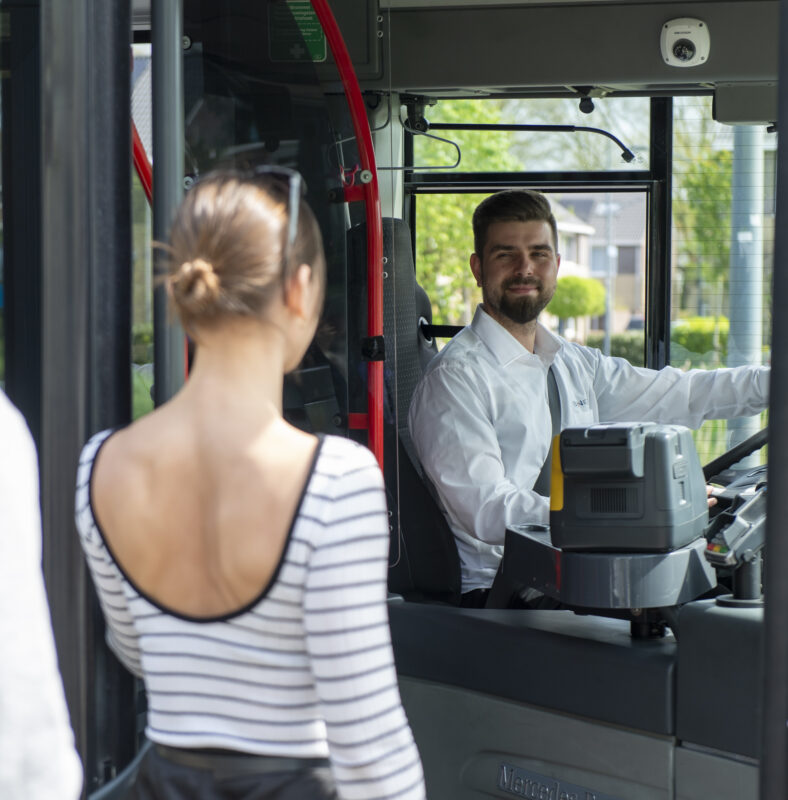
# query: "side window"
{"type": "Point", "coordinates": [723, 224]}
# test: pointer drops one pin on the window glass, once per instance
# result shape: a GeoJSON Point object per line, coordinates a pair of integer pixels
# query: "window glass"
{"type": "Point", "coordinates": [142, 227]}
{"type": "Point", "coordinates": [723, 223]}
{"type": "Point", "coordinates": [602, 236]}
{"type": "Point", "coordinates": [626, 118]}
{"type": "Point", "coordinates": [601, 281]}
{"type": "Point", "coordinates": [253, 96]}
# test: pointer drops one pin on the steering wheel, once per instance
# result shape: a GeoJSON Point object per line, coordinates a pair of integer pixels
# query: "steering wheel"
{"type": "Point", "coordinates": [750, 445]}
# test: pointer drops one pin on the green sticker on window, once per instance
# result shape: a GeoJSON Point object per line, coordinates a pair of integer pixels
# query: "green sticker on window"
{"type": "Point", "coordinates": [294, 32]}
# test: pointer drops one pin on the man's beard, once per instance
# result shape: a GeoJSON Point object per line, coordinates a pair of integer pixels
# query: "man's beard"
{"type": "Point", "coordinates": [526, 308]}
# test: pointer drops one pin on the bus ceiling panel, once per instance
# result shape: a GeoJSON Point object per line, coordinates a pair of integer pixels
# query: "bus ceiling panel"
{"type": "Point", "coordinates": [514, 47]}
{"type": "Point", "coordinates": [399, 4]}
{"type": "Point", "coordinates": [361, 27]}
{"type": "Point", "coordinates": [358, 20]}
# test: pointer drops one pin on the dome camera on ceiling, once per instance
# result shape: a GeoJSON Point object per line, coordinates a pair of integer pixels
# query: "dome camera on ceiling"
{"type": "Point", "coordinates": [685, 42]}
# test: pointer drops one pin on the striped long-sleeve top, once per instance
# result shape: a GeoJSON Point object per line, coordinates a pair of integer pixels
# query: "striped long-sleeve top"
{"type": "Point", "coordinates": [304, 670]}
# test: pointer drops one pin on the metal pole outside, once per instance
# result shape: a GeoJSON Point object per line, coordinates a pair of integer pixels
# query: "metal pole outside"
{"type": "Point", "coordinates": [168, 152]}
{"type": "Point", "coordinates": [745, 336]}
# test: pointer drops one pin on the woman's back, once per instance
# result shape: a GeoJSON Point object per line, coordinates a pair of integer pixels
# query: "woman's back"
{"type": "Point", "coordinates": [240, 563]}
{"type": "Point", "coordinates": [197, 507]}
{"type": "Point", "coordinates": [304, 668]}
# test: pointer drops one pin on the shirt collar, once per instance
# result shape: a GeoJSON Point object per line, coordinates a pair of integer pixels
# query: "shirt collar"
{"type": "Point", "coordinates": [505, 348]}
{"type": "Point", "coordinates": [546, 343]}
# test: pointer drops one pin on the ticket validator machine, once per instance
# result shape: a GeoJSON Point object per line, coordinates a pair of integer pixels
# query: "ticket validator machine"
{"type": "Point", "coordinates": [628, 512]}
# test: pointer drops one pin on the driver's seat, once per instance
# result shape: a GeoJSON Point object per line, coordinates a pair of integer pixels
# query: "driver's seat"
{"type": "Point", "coordinates": [424, 563]}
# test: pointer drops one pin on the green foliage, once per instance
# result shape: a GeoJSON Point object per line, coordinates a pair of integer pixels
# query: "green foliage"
{"type": "Point", "coordinates": [141, 400]}
{"type": "Point", "coordinates": [711, 439]}
{"type": "Point", "coordinates": [444, 243]}
{"type": "Point", "coordinates": [626, 117]}
{"type": "Point", "coordinates": [444, 237]}
{"type": "Point", "coordinates": [699, 341]}
{"type": "Point", "coordinates": [142, 368]}
{"type": "Point", "coordinates": [628, 345]}
{"type": "Point", "coordinates": [577, 297]}
{"type": "Point", "coordinates": [702, 209]}
{"type": "Point", "coordinates": [142, 343]}
{"type": "Point", "coordinates": [702, 198]}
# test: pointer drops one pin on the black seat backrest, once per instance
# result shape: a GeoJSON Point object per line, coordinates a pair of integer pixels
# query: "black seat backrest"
{"type": "Point", "coordinates": [424, 563]}
{"type": "Point", "coordinates": [309, 397]}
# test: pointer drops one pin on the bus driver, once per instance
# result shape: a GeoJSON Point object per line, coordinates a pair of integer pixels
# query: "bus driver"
{"type": "Point", "coordinates": [481, 416]}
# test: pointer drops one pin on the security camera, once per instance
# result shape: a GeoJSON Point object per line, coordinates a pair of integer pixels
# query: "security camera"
{"type": "Point", "coordinates": [685, 42]}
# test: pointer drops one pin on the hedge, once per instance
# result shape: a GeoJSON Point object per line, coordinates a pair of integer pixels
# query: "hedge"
{"type": "Point", "coordinates": [701, 341]}
{"type": "Point", "coordinates": [628, 345]}
{"type": "Point", "coordinates": [694, 342]}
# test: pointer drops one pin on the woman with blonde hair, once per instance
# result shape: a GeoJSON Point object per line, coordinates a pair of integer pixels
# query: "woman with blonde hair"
{"type": "Point", "coordinates": [240, 562]}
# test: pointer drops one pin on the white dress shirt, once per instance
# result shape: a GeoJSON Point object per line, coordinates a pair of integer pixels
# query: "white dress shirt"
{"type": "Point", "coordinates": [37, 756]}
{"type": "Point", "coordinates": [480, 422]}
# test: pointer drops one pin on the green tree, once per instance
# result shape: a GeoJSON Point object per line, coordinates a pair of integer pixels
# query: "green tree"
{"type": "Point", "coordinates": [444, 238]}
{"type": "Point", "coordinates": [702, 196]}
{"type": "Point", "coordinates": [576, 297]}
{"type": "Point", "coordinates": [702, 225]}
{"type": "Point", "coordinates": [627, 118]}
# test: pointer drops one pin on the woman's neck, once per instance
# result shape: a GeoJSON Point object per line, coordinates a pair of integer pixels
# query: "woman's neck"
{"type": "Point", "coordinates": [238, 369]}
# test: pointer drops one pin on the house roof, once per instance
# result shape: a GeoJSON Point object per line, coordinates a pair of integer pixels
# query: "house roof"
{"type": "Point", "coordinates": [626, 213]}
{"type": "Point", "coordinates": [567, 220]}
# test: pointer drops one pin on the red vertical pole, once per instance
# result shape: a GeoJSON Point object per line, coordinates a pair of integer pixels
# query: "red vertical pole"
{"type": "Point", "coordinates": [145, 174]}
{"type": "Point", "coordinates": [373, 217]}
{"type": "Point", "coordinates": [141, 163]}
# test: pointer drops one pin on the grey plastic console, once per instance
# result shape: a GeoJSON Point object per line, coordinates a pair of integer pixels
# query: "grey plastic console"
{"type": "Point", "coordinates": [600, 580]}
{"type": "Point", "coordinates": [720, 677]}
{"type": "Point", "coordinates": [582, 665]}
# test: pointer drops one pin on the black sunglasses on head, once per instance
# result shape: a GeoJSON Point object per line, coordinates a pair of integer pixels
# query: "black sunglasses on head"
{"type": "Point", "coordinates": [296, 189]}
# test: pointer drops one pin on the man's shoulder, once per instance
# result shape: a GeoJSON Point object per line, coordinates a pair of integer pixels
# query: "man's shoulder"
{"type": "Point", "coordinates": [464, 368]}
{"type": "Point", "coordinates": [574, 352]}
{"type": "Point", "coordinates": [464, 351]}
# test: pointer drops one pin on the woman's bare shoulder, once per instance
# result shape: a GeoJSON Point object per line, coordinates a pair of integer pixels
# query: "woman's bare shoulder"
{"type": "Point", "coordinates": [126, 458]}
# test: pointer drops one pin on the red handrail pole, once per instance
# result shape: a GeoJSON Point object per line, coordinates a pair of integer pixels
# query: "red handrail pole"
{"type": "Point", "coordinates": [141, 163]}
{"type": "Point", "coordinates": [373, 217]}
{"type": "Point", "coordinates": [145, 174]}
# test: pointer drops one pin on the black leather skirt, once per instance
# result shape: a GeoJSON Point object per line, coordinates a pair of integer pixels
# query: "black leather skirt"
{"type": "Point", "coordinates": [168, 773]}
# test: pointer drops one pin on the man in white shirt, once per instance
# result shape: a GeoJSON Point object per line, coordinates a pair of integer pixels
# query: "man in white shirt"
{"type": "Point", "coordinates": [37, 756]}
{"type": "Point", "coordinates": [480, 418]}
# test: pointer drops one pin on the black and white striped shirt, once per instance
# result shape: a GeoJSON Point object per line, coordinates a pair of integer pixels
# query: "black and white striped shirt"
{"type": "Point", "coordinates": [304, 670]}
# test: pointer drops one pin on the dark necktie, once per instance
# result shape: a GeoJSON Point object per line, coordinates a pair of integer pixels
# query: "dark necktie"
{"type": "Point", "coordinates": [542, 485]}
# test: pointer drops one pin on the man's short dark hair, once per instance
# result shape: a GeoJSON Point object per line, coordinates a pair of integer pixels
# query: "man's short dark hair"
{"type": "Point", "coordinates": [511, 205]}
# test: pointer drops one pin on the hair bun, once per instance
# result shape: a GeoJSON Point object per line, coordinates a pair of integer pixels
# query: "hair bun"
{"type": "Point", "coordinates": [195, 285]}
